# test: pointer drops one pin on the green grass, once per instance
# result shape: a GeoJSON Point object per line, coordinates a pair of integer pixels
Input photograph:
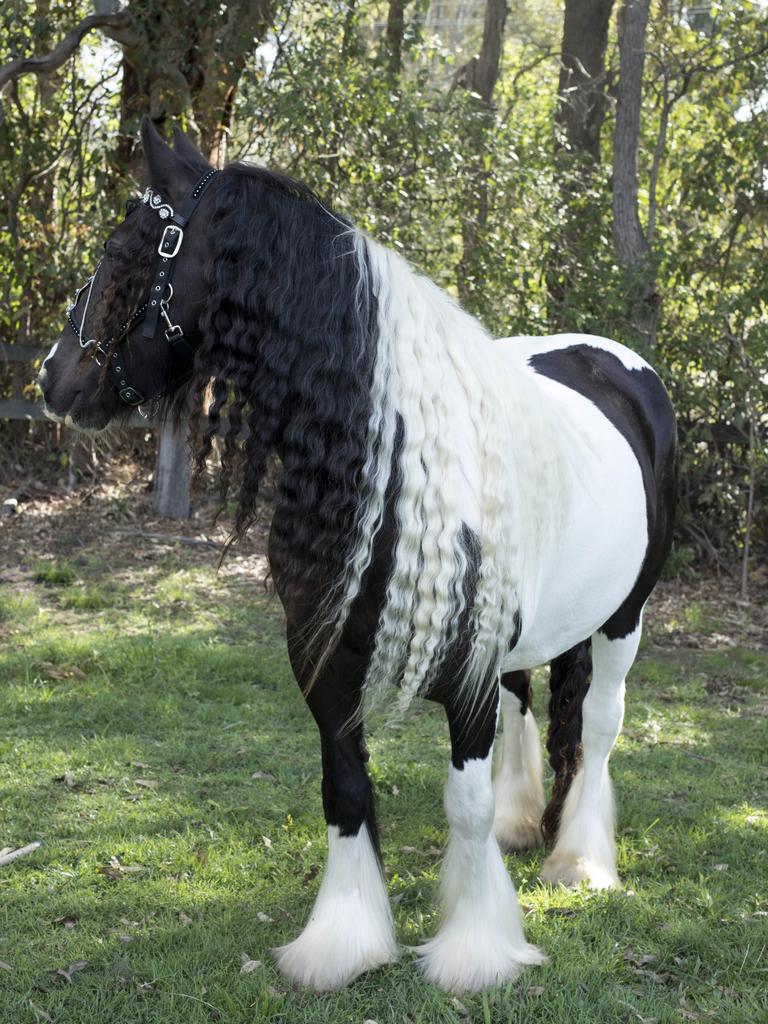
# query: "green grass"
{"type": "Point", "coordinates": [136, 706]}
{"type": "Point", "coordinates": [54, 573]}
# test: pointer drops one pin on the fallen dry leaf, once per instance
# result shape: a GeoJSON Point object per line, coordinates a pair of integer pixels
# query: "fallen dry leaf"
{"type": "Point", "coordinates": [266, 776]}
{"type": "Point", "coordinates": [561, 911]}
{"type": "Point", "coordinates": [115, 870]}
{"type": "Point", "coordinates": [67, 972]}
{"type": "Point", "coordinates": [264, 918]}
{"type": "Point", "coordinates": [642, 961]}
{"type": "Point", "coordinates": [267, 842]}
{"type": "Point", "coordinates": [147, 783]}
{"type": "Point", "coordinates": [4, 966]}
{"type": "Point", "coordinates": [40, 1013]}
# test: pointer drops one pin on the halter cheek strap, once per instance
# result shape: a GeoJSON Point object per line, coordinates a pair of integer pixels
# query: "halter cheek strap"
{"type": "Point", "coordinates": [160, 294]}
{"type": "Point", "coordinates": [169, 247]}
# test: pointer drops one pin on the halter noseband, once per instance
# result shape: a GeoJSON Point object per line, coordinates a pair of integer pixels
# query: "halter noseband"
{"type": "Point", "coordinates": [160, 294]}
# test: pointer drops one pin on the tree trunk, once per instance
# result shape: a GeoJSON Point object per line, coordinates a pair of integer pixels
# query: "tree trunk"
{"type": "Point", "coordinates": [183, 64]}
{"type": "Point", "coordinates": [172, 474]}
{"type": "Point", "coordinates": [392, 50]}
{"type": "Point", "coordinates": [479, 76]}
{"type": "Point", "coordinates": [579, 115]}
{"type": "Point", "coordinates": [632, 248]}
{"type": "Point", "coordinates": [581, 101]}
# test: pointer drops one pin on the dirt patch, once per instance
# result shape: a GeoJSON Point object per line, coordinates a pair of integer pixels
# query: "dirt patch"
{"type": "Point", "coordinates": [114, 520]}
{"type": "Point", "coordinates": [708, 615]}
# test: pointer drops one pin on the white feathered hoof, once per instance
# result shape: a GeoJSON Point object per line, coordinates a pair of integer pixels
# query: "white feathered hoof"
{"type": "Point", "coordinates": [350, 930]}
{"type": "Point", "coordinates": [518, 792]}
{"type": "Point", "coordinates": [517, 833]}
{"type": "Point", "coordinates": [571, 869]}
{"type": "Point", "coordinates": [323, 959]}
{"type": "Point", "coordinates": [470, 960]}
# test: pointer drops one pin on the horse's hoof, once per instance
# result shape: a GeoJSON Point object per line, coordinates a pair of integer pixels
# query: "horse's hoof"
{"type": "Point", "coordinates": [514, 835]}
{"type": "Point", "coordinates": [326, 967]}
{"type": "Point", "coordinates": [572, 870]}
{"type": "Point", "coordinates": [458, 967]}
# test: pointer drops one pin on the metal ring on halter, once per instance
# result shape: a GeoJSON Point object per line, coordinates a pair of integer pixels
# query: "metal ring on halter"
{"type": "Point", "coordinates": [89, 286]}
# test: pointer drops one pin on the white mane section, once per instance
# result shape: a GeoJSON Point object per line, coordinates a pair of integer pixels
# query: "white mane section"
{"type": "Point", "coordinates": [466, 460]}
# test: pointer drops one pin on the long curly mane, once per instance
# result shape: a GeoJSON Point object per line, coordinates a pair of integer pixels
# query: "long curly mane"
{"type": "Point", "coordinates": [289, 342]}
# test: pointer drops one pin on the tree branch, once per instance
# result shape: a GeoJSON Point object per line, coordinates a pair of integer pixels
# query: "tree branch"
{"type": "Point", "coordinates": [60, 54]}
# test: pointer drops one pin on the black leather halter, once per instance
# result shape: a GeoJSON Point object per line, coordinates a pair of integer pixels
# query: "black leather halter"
{"type": "Point", "coordinates": [158, 301]}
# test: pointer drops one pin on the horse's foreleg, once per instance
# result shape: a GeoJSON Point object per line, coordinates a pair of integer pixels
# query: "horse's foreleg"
{"type": "Point", "coordinates": [585, 849]}
{"type": "Point", "coordinates": [350, 929]}
{"type": "Point", "coordinates": [517, 787]}
{"type": "Point", "coordinates": [480, 941]}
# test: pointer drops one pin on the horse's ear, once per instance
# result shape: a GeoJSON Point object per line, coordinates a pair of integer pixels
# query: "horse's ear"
{"type": "Point", "coordinates": [186, 149]}
{"type": "Point", "coordinates": [166, 169]}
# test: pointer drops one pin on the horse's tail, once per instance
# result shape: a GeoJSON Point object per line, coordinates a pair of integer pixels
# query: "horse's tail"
{"type": "Point", "coordinates": [568, 684]}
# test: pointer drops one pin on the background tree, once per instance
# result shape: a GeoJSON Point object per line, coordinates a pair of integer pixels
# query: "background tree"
{"type": "Point", "coordinates": [579, 114]}
{"type": "Point", "coordinates": [431, 125]}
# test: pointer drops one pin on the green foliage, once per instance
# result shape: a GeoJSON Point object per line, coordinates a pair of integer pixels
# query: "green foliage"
{"type": "Point", "coordinates": [480, 199]}
{"type": "Point", "coordinates": [57, 194]}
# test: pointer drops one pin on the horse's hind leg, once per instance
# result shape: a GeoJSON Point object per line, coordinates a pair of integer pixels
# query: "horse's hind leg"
{"type": "Point", "coordinates": [585, 849]}
{"type": "Point", "coordinates": [350, 929]}
{"type": "Point", "coordinates": [480, 941]}
{"type": "Point", "coordinates": [517, 787]}
{"type": "Point", "coordinates": [568, 684]}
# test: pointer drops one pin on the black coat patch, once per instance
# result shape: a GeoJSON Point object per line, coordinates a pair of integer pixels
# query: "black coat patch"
{"type": "Point", "coordinates": [637, 404]}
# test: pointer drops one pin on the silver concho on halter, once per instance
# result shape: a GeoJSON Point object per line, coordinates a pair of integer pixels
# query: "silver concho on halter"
{"type": "Point", "coordinates": [154, 202]}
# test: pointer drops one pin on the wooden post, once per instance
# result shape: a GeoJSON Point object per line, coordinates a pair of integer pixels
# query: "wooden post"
{"type": "Point", "coordinates": [172, 473]}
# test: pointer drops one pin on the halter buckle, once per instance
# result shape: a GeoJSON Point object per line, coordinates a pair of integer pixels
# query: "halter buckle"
{"type": "Point", "coordinates": [170, 243]}
{"type": "Point", "coordinates": [131, 396]}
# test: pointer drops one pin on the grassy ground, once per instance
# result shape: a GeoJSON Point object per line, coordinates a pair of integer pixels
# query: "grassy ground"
{"type": "Point", "coordinates": [154, 742]}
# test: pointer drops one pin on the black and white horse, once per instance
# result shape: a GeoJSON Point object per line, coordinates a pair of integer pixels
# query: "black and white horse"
{"type": "Point", "coordinates": [452, 510]}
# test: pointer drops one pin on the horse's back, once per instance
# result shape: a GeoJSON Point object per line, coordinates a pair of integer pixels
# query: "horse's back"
{"type": "Point", "coordinates": [623, 386]}
{"type": "Point", "coordinates": [618, 433]}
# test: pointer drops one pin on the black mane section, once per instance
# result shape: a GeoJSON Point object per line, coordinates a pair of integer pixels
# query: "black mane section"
{"type": "Point", "coordinates": [289, 338]}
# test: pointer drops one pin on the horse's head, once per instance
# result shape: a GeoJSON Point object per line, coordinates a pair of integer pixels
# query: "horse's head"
{"type": "Point", "coordinates": [132, 329]}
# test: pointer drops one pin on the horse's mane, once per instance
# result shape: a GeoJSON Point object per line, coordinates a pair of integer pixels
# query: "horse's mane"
{"type": "Point", "coordinates": [337, 356]}
{"type": "Point", "coordinates": [288, 343]}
